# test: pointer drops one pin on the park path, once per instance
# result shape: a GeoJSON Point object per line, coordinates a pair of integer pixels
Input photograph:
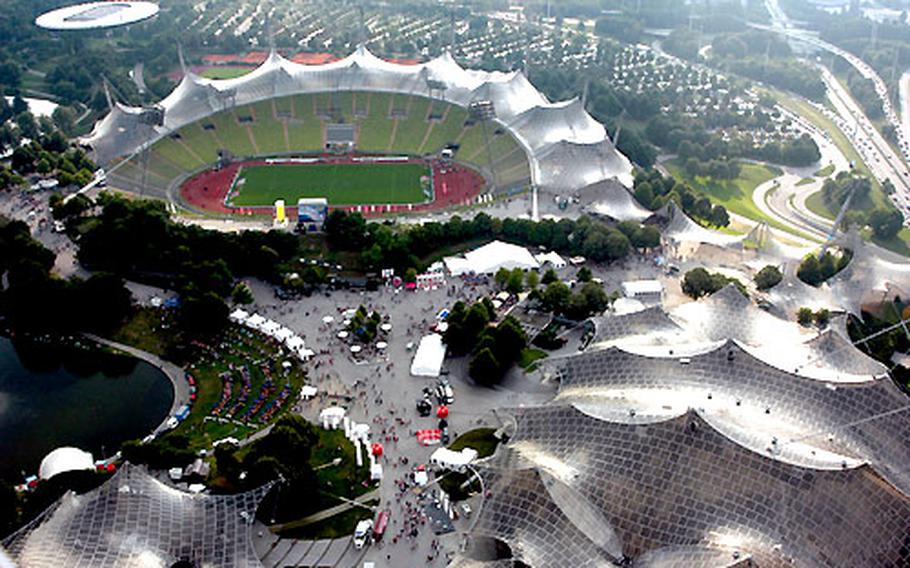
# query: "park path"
{"type": "Point", "coordinates": [327, 513]}
{"type": "Point", "coordinates": [174, 373]}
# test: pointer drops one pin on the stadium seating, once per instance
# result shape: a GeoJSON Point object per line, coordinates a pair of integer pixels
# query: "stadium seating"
{"type": "Point", "coordinates": [385, 123]}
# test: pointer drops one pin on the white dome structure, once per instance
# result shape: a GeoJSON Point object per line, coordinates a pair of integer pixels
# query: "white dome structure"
{"type": "Point", "coordinates": [63, 460]}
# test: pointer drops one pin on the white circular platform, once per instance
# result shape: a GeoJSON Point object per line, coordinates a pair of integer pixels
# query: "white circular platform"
{"type": "Point", "coordinates": [93, 15]}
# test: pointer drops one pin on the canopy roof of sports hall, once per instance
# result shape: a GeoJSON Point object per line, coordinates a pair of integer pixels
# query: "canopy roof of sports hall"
{"type": "Point", "coordinates": [558, 137]}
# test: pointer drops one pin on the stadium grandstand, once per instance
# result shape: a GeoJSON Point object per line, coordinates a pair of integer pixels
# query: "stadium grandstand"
{"type": "Point", "coordinates": [284, 109]}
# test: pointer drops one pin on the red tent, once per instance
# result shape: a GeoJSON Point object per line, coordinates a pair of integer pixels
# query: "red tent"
{"type": "Point", "coordinates": [442, 411]}
{"type": "Point", "coordinates": [429, 436]}
{"type": "Point", "coordinates": [410, 286]}
{"type": "Point", "coordinates": [377, 450]}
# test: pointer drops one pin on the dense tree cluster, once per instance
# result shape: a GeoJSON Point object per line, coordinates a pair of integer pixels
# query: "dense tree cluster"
{"type": "Point", "coordinates": [699, 282]}
{"type": "Point", "coordinates": [35, 300]}
{"type": "Point", "coordinates": [759, 55]}
{"type": "Point", "coordinates": [589, 298]}
{"type": "Point", "coordinates": [654, 190]}
{"type": "Point", "coordinates": [168, 450]}
{"type": "Point", "coordinates": [138, 240]}
{"type": "Point", "coordinates": [691, 137]}
{"type": "Point", "coordinates": [815, 269]}
{"type": "Point", "coordinates": [493, 348]}
{"type": "Point", "coordinates": [768, 277]}
{"type": "Point", "coordinates": [863, 91]}
{"type": "Point", "coordinates": [407, 247]}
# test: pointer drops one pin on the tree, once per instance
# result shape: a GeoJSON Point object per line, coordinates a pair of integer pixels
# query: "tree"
{"type": "Point", "coordinates": [532, 279]}
{"type": "Point", "coordinates": [644, 194]}
{"type": "Point", "coordinates": [549, 277]}
{"type": "Point", "coordinates": [484, 368]}
{"type": "Point", "coordinates": [646, 237]}
{"type": "Point", "coordinates": [203, 315]}
{"type": "Point", "coordinates": [510, 339]}
{"type": "Point", "coordinates": [410, 275]}
{"type": "Point", "coordinates": [885, 223]}
{"type": "Point", "coordinates": [822, 317]}
{"type": "Point", "coordinates": [584, 275]}
{"type": "Point", "coordinates": [502, 277]}
{"type": "Point", "coordinates": [804, 316]}
{"type": "Point", "coordinates": [809, 271]}
{"type": "Point", "coordinates": [768, 277]}
{"type": "Point", "coordinates": [555, 297]}
{"type": "Point", "coordinates": [515, 281]}
{"type": "Point", "coordinates": [103, 301]}
{"type": "Point", "coordinates": [242, 294]}
{"type": "Point", "coordinates": [719, 216]}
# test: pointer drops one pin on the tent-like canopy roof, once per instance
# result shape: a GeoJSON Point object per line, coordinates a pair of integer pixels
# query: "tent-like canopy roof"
{"type": "Point", "coordinates": [135, 520]}
{"type": "Point", "coordinates": [552, 134]}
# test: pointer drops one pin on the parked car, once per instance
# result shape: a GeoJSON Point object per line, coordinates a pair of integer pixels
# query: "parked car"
{"type": "Point", "coordinates": [362, 533]}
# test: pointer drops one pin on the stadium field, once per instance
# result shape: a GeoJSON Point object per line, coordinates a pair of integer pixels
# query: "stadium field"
{"type": "Point", "coordinates": [341, 184]}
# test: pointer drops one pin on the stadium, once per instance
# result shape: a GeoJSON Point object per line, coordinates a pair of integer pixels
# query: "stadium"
{"type": "Point", "coordinates": [362, 133]}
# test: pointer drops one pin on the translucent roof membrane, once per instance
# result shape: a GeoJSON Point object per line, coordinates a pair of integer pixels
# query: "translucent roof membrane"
{"type": "Point", "coordinates": [678, 492]}
{"type": "Point", "coordinates": [135, 521]}
{"type": "Point", "coordinates": [567, 148]}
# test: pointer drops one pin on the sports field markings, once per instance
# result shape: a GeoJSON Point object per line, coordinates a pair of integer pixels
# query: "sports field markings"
{"type": "Point", "coordinates": [341, 184]}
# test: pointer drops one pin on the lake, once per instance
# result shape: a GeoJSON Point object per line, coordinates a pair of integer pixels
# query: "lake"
{"type": "Point", "coordinates": [51, 397]}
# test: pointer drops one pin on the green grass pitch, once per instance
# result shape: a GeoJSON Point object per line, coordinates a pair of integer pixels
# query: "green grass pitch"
{"type": "Point", "coordinates": [341, 184]}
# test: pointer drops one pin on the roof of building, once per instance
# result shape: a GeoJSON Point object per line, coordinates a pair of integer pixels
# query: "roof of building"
{"type": "Point", "coordinates": [568, 149]}
{"type": "Point", "coordinates": [135, 520]}
{"type": "Point", "coordinates": [93, 15]}
{"type": "Point", "coordinates": [63, 460]}
{"type": "Point", "coordinates": [490, 258]}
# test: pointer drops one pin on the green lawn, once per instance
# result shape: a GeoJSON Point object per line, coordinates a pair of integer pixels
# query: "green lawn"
{"type": "Point", "coordinates": [825, 171]}
{"type": "Point", "coordinates": [347, 184]}
{"type": "Point", "coordinates": [805, 181]}
{"type": "Point", "coordinates": [529, 358]}
{"type": "Point", "coordinates": [226, 72]}
{"type": "Point", "coordinates": [151, 330]}
{"type": "Point", "coordinates": [735, 195]}
{"type": "Point", "coordinates": [481, 439]}
{"type": "Point", "coordinates": [899, 244]}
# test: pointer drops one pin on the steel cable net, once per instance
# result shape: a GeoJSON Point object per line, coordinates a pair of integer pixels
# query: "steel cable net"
{"type": "Point", "coordinates": [134, 520]}
{"type": "Point", "coordinates": [678, 492]}
{"type": "Point", "coordinates": [551, 134]}
{"type": "Point", "coordinates": [711, 435]}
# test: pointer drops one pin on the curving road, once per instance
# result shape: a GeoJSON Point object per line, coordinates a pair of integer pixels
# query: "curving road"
{"type": "Point", "coordinates": [881, 158]}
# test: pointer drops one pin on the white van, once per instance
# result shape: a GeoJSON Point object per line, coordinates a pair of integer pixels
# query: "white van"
{"type": "Point", "coordinates": [362, 533]}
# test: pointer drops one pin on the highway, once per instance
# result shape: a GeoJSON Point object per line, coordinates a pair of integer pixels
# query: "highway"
{"type": "Point", "coordinates": [882, 160]}
{"type": "Point", "coordinates": [905, 101]}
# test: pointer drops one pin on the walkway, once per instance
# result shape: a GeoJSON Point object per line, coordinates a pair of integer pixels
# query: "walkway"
{"type": "Point", "coordinates": [172, 371]}
{"type": "Point", "coordinates": [327, 513]}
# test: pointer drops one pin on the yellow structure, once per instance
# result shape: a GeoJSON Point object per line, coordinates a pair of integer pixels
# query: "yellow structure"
{"type": "Point", "coordinates": [280, 214]}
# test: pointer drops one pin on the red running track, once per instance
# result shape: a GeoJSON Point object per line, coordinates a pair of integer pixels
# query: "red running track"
{"type": "Point", "coordinates": [454, 185]}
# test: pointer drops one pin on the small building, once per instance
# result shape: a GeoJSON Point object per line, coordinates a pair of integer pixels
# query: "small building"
{"type": "Point", "coordinates": [552, 259]}
{"type": "Point", "coordinates": [643, 290]}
